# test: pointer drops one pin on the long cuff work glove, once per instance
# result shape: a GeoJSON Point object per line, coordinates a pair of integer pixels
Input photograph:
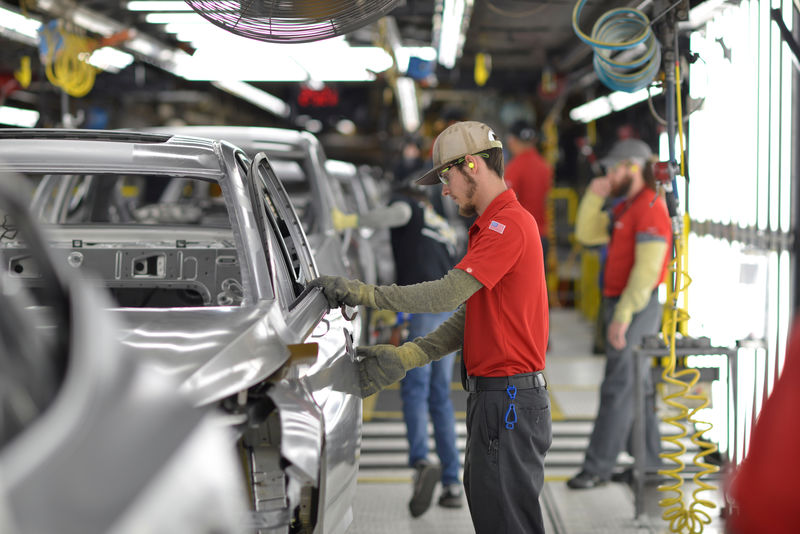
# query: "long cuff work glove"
{"type": "Point", "coordinates": [339, 290]}
{"type": "Point", "coordinates": [437, 296]}
{"type": "Point", "coordinates": [382, 365]}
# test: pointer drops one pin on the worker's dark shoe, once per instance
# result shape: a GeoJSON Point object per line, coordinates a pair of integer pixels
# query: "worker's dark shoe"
{"type": "Point", "coordinates": [585, 480]}
{"type": "Point", "coordinates": [625, 476]}
{"type": "Point", "coordinates": [451, 496]}
{"type": "Point", "coordinates": [425, 477]}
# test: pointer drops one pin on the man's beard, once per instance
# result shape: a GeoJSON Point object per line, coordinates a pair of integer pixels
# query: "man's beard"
{"type": "Point", "coordinates": [622, 188]}
{"type": "Point", "coordinates": [467, 208]}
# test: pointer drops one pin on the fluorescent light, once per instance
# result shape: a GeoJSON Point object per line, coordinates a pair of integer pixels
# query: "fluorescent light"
{"type": "Point", "coordinates": [594, 109]}
{"type": "Point", "coordinates": [455, 19]}
{"type": "Point", "coordinates": [19, 23]}
{"type": "Point", "coordinates": [621, 100]}
{"type": "Point", "coordinates": [25, 118]}
{"type": "Point", "coordinates": [605, 105]}
{"type": "Point", "coordinates": [407, 100]}
{"type": "Point", "coordinates": [181, 18]}
{"type": "Point", "coordinates": [110, 59]}
{"type": "Point", "coordinates": [255, 96]}
{"type": "Point", "coordinates": [156, 5]}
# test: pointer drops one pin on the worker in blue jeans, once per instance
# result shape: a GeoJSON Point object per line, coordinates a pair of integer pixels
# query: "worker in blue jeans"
{"type": "Point", "coordinates": [424, 249]}
{"type": "Point", "coordinates": [426, 390]}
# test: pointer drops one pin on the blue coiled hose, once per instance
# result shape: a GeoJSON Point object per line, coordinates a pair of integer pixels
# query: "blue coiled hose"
{"type": "Point", "coordinates": [617, 30]}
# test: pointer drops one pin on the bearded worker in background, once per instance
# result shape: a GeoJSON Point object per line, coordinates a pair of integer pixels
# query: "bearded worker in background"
{"type": "Point", "coordinates": [501, 323]}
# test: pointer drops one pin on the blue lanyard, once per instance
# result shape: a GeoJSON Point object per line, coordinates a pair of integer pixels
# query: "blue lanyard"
{"type": "Point", "coordinates": [511, 413]}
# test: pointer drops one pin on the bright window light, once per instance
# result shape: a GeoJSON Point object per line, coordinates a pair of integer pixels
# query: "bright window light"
{"type": "Point", "coordinates": [110, 59]}
{"type": "Point", "coordinates": [787, 107]}
{"type": "Point", "coordinates": [25, 118]}
{"type": "Point", "coordinates": [19, 23]}
{"type": "Point", "coordinates": [157, 5]}
{"type": "Point", "coordinates": [763, 106]}
{"type": "Point", "coordinates": [726, 82]}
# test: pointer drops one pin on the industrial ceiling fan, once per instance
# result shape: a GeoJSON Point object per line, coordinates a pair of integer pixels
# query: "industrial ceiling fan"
{"type": "Point", "coordinates": [291, 21]}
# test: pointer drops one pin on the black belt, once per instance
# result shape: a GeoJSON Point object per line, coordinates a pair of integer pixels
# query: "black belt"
{"type": "Point", "coordinates": [500, 383]}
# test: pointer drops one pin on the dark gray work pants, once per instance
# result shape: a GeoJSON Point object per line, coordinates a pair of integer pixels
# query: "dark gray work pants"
{"type": "Point", "coordinates": [504, 468]}
{"type": "Point", "coordinates": [612, 428]}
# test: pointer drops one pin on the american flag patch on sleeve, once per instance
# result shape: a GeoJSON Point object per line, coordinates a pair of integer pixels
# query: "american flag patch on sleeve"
{"type": "Point", "coordinates": [497, 227]}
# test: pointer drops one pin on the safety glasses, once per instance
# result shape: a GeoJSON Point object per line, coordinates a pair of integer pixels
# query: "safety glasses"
{"type": "Point", "coordinates": [442, 172]}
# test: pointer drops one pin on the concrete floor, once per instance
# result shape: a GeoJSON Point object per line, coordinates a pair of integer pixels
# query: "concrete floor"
{"type": "Point", "coordinates": [574, 375]}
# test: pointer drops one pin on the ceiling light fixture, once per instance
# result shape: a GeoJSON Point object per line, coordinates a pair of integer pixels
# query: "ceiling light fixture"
{"type": "Point", "coordinates": [453, 23]}
{"type": "Point", "coordinates": [20, 24]}
{"type": "Point", "coordinates": [605, 105]}
{"type": "Point", "coordinates": [407, 100]}
{"type": "Point", "coordinates": [255, 96]}
{"type": "Point", "coordinates": [25, 118]}
{"type": "Point", "coordinates": [158, 5]}
{"type": "Point", "coordinates": [110, 59]}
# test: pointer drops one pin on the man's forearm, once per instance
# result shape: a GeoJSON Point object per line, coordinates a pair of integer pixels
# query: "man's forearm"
{"type": "Point", "coordinates": [591, 222]}
{"type": "Point", "coordinates": [438, 296]}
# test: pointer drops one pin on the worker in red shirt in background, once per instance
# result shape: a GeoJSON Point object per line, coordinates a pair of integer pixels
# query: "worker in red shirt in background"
{"type": "Point", "coordinates": [639, 236]}
{"type": "Point", "coordinates": [501, 323]}
{"type": "Point", "coordinates": [529, 174]}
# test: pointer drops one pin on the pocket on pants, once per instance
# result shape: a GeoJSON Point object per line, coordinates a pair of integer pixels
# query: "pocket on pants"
{"type": "Point", "coordinates": [535, 408]}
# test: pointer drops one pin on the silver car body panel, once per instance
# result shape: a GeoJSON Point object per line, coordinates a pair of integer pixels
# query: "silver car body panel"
{"type": "Point", "coordinates": [117, 431]}
{"type": "Point", "coordinates": [218, 352]}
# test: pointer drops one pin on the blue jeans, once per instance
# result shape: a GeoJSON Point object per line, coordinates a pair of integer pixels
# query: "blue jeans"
{"type": "Point", "coordinates": [426, 390]}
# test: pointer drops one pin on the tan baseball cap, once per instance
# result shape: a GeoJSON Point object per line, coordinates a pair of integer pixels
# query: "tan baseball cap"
{"type": "Point", "coordinates": [456, 141]}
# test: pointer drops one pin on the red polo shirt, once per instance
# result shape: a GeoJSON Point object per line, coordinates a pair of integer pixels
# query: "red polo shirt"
{"type": "Point", "coordinates": [530, 176]}
{"type": "Point", "coordinates": [643, 218]}
{"type": "Point", "coordinates": [506, 325]}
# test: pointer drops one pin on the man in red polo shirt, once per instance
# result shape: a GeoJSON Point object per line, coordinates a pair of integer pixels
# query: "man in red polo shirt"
{"type": "Point", "coordinates": [639, 237]}
{"type": "Point", "coordinates": [529, 174]}
{"type": "Point", "coordinates": [501, 324]}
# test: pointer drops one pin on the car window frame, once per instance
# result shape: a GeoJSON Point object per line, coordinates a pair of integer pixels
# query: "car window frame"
{"type": "Point", "coordinates": [278, 224]}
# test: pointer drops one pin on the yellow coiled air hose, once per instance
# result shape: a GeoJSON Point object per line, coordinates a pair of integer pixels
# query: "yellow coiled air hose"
{"type": "Point", "coordinates": [66, 63]}
{"type": "Point", "coordinates": [681, 519]}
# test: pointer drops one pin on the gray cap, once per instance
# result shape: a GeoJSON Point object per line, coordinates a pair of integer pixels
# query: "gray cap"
{"type": "Point", "coordinates": [634, 150]}
{"type": "Point", "coordinates": [456, 141]}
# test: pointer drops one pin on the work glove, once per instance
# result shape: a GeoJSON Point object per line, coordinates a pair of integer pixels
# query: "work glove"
{"type": "Point", "coordinates": [382, 365]}
{"type": "Point", "coordinates": [339, 290]}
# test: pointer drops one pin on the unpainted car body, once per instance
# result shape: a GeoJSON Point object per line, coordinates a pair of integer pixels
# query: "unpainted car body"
{"type": "Point", "coordinates": [204, 253]}
{"type": "Point", "coordinates": [70, 397]}
{"type": "Point", "coordinates": [300, 163]}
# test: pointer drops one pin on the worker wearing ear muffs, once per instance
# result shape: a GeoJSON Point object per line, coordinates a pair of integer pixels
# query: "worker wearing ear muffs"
{"type": "Point", "coordinates": [501, 323]}
{"type": "Point", "coordinates": [639, 236]}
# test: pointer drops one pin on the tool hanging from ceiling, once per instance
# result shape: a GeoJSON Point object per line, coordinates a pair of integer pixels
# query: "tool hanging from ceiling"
{"type": "Point", "coordinates": [64, 55]}
{"type": "Point", "coordinates": [627, 55]}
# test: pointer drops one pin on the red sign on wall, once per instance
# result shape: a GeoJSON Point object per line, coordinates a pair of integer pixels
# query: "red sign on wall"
{"type": "Point", "coordinates": [322, 98]}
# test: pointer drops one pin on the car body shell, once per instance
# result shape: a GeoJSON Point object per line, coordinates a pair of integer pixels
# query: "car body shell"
{"type": "Point", "coordinates": [237, 358]}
